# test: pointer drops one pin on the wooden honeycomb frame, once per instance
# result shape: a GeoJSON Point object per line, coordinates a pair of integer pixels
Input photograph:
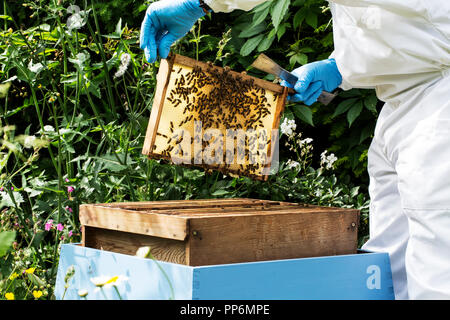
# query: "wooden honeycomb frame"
{"type": "Point", "coordinates": [182, 97]}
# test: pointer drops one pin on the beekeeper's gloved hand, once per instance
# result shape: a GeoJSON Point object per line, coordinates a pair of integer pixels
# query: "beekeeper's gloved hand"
{"type": "Point", "coordinates": [165, 22]}
{"type": "Point", "coordinates": [313, 78]}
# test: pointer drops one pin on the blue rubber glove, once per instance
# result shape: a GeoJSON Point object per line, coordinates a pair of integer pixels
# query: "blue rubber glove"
{"type": "Point", "coordinates": [165, 22]}
{"type": "Point", "coordinates": [313, 78]}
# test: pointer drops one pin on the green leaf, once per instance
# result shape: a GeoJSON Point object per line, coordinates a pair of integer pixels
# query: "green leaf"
{"type": "Point", "coordinates": [304, 113]}
{"type": "Point", "coordinates": [35, 279]}
{"type": "Point", "coordinates": [354, 112]}
{"type": "Point", "coordinates": [5, 17]}
{"type": "Point", "coordinates": [266, 43]}
{"type": "Point", "coordinates": [344, 106]}
{"type": "Point", "coordinates": [311, 19]}
{"type": "Point", "coordinates": [262, 6]}
{"type": "Point", "coordinates": [366, 132]}
{"type": "Point", "coordinates": [251, 31]}
{"type": "Point", "coordinates": [299, 17]}
{"type": "Point", "coordinates": [220, 192]}
{"type": "Point", "coordinates": [260, 16]}
{"type": "Point", "coordinates": [299, 58]}
{"type": "Point", "coordinates": [251, 45]}
{"type": "Point", "coordinates": [6, 240]}
{"type": "Point", "coordinates": [370, 102]}
{"type": "Point", "coordinates": [282, 30]}
{"type": "Point", "coordinates": [279, 11]}
{"type": "Point", "coordinates": [287, 114]}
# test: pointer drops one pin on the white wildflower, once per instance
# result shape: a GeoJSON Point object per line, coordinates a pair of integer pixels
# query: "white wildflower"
{"type": "Point", "coordinates": [305, 141]}
{"type": "Point", "coordinates": [288, 127]}
{"type": "Point", "coordinates": [49, 128]}
{"type": "Point", "coordinates": [291, 164]}
{"type": "Point", "coordinates": [143, 252]}
{"type": "Point", "coordinates": [35, 68]}
{"type": "Point", "coordinates": [100, 281]}
{"type": "Point", "coordinates": [327, 161]}
{"type": "Point", "coordinates": [29, 141]}
{"type": "Point", "coordinates": [82, 293]}
{"type": "Point", "coordinates": [124, 62]}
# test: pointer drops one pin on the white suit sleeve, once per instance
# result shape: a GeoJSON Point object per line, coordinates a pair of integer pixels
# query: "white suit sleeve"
{"type": "Point", "coordinates": [230, 5]}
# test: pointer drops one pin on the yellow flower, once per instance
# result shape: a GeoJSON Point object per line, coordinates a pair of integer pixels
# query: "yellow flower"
{"type": "Point", "coordinates": [37, 294]}
{"type": "Point", "coordinates": [13, 276]}
{"type": "Point", "coordinates": [30, 270]}
{"type": "Point", "coordinates": [112, 280]}
{"type": "Point", "coordinates": [9, 296]}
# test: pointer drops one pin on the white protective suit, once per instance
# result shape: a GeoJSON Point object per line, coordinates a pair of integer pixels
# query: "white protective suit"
{"type": "Point", "coordinates": [402, 49]}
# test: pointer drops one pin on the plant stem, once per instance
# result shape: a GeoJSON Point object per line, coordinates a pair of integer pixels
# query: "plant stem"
{"type": "Point", "coordinates": [99, 45]}
{"type": "Point", "coordinates": [97, 115]}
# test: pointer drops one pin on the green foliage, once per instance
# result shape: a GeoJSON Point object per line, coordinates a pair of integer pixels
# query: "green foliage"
{"type": "Point", "coordinates": [6, 240]}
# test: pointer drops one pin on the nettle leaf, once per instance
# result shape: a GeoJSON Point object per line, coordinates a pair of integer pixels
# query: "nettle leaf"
{"type": "Point", "coordinates": [354, 112]}
{"type": "Point", "coordinates": [251, 45]}
{"type": "Point", "coordinates": [278, 12]}
{"type": "Point", "coordinates": [262, 6]}
{"type": "Point", "coordinates": [6, 240]}
{"type": "Point", "coordinates": [251, 31]}
{"type": "Point", "coordinates": [304, 113]}
{"type": "Point", "coordinates": [260, 16]}
{"type": "Point", "coordinates": [266, 43]}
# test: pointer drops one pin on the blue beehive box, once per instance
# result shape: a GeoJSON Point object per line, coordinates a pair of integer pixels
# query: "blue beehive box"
{"type": "Point", "coordinates": [354, 276]}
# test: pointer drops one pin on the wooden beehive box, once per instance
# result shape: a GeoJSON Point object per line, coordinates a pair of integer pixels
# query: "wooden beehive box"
{"type": "Point", "coordinates": [215, 118]}
{"type": "Point", "coordinates": [220, 231]}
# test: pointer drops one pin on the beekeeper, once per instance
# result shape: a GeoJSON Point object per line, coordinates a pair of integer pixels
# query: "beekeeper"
{"type": "Point", "coordinates": [402, 49]}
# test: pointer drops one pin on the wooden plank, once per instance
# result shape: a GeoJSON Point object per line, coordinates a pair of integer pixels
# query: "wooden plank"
{"type": "Point", "coordinates": [200, 203]}
{"type": "Point", "coordinates": [218, 240]}
{"type": "Point", "coordinates": [164, 226]}
{"type": "Point", "coordinates": [158, 102]}
{"type": "Point", "coordinates": [240, 211]}
{"type": "Point", "coordinates": [196, 202]}
{"type": "Point", "coordinates": [128, 243]}
{"type": "Point", "coordinates": [259, 82]}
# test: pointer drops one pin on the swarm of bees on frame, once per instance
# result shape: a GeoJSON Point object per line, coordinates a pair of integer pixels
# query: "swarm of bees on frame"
{"type": "Point", "coordinates": [215, 98]}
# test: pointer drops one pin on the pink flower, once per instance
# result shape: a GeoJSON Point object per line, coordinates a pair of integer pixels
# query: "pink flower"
{"type": "Point", "coordinates": [67, 180]}
{"type": "Point", "coordinates": [49, 225]}
{"type": "Point", "coordinates": [70, 233]}
{"type": "Point", "coordinates": [1, 189]}
{"type": "Point", "coordinates": [62, 238]}
{"type": "Point", "coordinates": [69, 209]}
{"type": "Point", "coordinates": [70, 189]}
{"type": "Point", "coordinates": [59, 227]}
{"type": "Point", "coordinates": [12, 188]}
